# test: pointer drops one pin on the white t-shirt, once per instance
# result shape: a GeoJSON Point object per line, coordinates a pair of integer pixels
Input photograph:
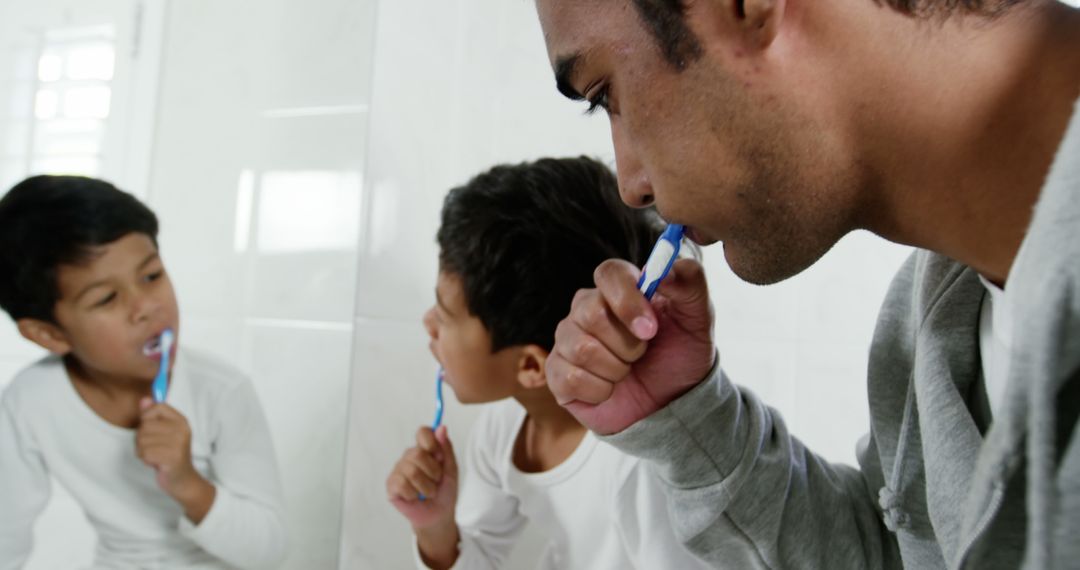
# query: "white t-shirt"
{"type": "Point", "coordinates": [995, 342]}
{"type": "Point", "coordinates": [599, 509]}
{"type": "Point", "coordinates": [47, 429]}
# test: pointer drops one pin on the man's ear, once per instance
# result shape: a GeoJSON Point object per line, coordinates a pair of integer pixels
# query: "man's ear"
{"type": "Point", "coordinates": [743, 24]}
{"type": "Point", "coordinates": [44, 334]}
{"type": "Point", "coordinates": [531, 367]}
{"type": "Point", "coordinates": [761, 20]}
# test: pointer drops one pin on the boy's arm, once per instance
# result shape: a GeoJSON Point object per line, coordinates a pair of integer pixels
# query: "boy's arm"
{"type": "Point", "coordinates": [745, 493]}
{"type": "Point", "coordinates": [246, 524]}
{"type": "Point", "coordinates": [24, 490]}
{"type": "Point", "coordinates": [488, 520]}
{"type": "Point", "coordinates": [643, 518]}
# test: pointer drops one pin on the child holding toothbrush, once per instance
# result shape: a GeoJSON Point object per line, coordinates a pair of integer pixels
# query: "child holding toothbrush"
{"type": "Point", "coordinates": [187, 482]}
{"type": "Point", "coordinates": [516, 244]}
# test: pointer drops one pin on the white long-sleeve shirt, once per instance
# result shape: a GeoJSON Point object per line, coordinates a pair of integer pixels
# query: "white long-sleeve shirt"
{"type": "Point", "coordinates": [599, 509]}
{"type": "Point", "coordinates": [47, 429]}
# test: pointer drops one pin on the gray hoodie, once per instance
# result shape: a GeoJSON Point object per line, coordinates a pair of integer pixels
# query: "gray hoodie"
{"type": "Point", "coordinates": [933, 489]}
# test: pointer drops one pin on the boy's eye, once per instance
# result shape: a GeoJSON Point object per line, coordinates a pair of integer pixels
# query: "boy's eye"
{"type": "Point", "coordinates": [154, 276]}
{"type": "Point", "coordinates": [105, 300]}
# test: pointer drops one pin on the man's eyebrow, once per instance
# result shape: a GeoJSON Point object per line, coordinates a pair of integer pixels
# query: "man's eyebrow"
{"type": "Point", "coordinates": [565, 67]}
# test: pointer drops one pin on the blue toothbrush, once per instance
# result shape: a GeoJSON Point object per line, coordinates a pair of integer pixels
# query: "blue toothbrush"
{"type": "Point", "coordinates": [161, 383]}
{"type": "Point", "coordinates": [438, 400]}
{"type": "Point", "coordinates": [661, 259]}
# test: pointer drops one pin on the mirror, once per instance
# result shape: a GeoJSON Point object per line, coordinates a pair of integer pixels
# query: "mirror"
{"type": "Point", "coordinates": [243, 127]}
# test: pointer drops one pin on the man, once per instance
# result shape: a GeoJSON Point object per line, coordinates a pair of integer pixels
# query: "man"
{"type": "Point", "coordinates": [778, 127]}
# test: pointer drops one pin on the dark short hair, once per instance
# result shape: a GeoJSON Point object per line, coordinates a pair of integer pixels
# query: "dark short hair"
{"type": "Point", "coordinates": [665, 20]}
{"type": "Point", "coordinates": [680, 46]}
{"type": "Point", "coordinates": [524, 238]}
{"type": "Point", "coordinates": [49, 221]}
{"type": "Point", "coordinates": [945, 7]}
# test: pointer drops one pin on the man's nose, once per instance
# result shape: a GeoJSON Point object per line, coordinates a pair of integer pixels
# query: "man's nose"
{"type": "Point", "coordinates": [634, 185]}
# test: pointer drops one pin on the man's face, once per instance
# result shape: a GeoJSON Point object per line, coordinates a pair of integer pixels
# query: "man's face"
{"type": "Point", "coordinates": [730, 146]}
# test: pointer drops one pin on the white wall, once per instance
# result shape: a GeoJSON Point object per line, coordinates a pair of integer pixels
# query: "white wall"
{"type": "Point", "coordinates": [462, 85]}
{"type": "Point", "coordinates": [258, 162]}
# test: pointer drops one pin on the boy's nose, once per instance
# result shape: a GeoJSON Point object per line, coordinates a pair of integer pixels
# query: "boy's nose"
{"type": "Point", "coordinates": [429, 323]}
{"type": "Point", "coordinates": [145, 307]}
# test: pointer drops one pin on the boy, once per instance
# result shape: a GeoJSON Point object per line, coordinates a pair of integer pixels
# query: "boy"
{"type": "Point", "coordinates": [516, 244]}
{"type": "Point", "coordinates": [191, 482]}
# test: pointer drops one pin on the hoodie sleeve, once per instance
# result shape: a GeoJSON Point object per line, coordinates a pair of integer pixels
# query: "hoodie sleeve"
{"type": "Point", "coordinates": [744, 493]}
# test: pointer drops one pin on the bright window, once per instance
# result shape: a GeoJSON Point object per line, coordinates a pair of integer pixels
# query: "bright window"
{"type": "Point", "coordinates": [73, 100]}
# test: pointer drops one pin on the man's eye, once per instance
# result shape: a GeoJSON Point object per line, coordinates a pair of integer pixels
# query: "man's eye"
{"type": "Point", "coordinates": [154, 276]}
{"type": "Point", "coordinates": [106, 300]}
{"type": "Point", "coordinates": [599, 101]}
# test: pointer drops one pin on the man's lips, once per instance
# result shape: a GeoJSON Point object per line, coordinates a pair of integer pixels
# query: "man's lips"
{"type": "Point", "coordinates": [697, 237]}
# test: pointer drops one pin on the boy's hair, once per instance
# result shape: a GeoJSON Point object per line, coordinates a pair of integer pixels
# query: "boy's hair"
{"type": "Point", "coordinates": [524, 238]}
{"type": "Point", "coordinates": [49, 221]}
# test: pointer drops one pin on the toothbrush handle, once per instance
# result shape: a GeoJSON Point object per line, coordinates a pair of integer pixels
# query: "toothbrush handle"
{"type": "Point", "coordinates": [161, 382]}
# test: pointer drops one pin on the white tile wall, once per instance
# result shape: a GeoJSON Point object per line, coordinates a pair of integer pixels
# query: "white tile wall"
{"type": "Point", "coordinates": [259, 158]}
{"type": "Point", "coordinates": [303, 377]}
{"type": "Point", "coordinates": [461, 85]}
{"type": "Point", "coordinates": [392, 395]}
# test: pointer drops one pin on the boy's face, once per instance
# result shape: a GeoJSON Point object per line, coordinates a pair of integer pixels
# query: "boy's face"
{"type": "Point", "coordinates": [462, 344]}
{"type": "Point", "coordinates": [112, 309]}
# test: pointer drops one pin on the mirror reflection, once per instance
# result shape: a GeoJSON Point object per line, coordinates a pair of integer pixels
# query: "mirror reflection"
{"type": "Point", "coordinates": [244, 132]}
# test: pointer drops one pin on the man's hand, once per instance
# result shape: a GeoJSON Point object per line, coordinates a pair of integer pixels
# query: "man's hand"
{"type": "Point", "coordinates": [618, 357]}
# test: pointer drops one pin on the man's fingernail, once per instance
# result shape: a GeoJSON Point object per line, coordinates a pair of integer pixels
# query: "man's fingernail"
{"type": "Point", "coordinates": [643, 328]}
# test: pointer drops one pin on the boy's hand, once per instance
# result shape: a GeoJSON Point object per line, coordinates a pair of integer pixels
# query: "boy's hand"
{"type": "Point", "coordinates": [163, 441]}
{"type": "Point", "coordinates": [429, 469]}
{"type": "Point", "coordinates": [619, 358]}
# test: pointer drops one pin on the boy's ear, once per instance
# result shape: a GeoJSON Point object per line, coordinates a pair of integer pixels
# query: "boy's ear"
{"type": "Point", "coordinates": [531, 367]}
{"type": "Point", "coordinates": [44, 334]}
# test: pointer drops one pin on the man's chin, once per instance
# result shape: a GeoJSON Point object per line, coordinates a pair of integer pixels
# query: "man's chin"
{"type": "Point", "coordinates": [758, 268]}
